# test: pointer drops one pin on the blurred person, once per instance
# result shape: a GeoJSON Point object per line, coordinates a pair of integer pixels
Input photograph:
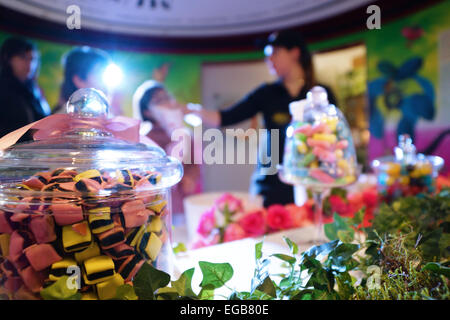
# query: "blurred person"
{"type": "Point", "coordinates": [21, 100]}
{"type": "Point", "coordinates": [161, 114]}
{"type": "Point", "coordinates": [83, 68]}
{"type": "Point", "coordinates": [288, 57]}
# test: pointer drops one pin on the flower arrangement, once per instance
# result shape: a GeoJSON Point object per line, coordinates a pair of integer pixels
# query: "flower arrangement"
{"type": "Point", "coordinates": [227, 220]}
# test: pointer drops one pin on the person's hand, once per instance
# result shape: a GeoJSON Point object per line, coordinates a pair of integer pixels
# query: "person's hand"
{"type": "Point", "coordinates": [160, 74]}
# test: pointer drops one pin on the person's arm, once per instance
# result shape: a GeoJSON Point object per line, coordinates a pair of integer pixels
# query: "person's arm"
{"type": "Point", "coordinates": [244, 109]}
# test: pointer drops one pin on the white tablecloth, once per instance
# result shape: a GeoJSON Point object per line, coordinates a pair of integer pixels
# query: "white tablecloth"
{"type": "Point", "coordinates": [241, 255]}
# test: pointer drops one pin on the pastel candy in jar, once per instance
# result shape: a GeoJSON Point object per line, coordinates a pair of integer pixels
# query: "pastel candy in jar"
{"type": "Point", "coordinates": [406, 173]}
{"type": "Point", "coordinates": [319, 147]}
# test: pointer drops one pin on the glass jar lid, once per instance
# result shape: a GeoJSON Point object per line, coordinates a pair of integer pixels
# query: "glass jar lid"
{"type": "Point", "coordinates": [405, 155]}
{"type": "Point", "coordinates": [85, 155]}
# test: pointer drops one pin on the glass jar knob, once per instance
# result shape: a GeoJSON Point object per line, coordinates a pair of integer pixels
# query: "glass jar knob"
{"type": "Point", "coordinates": [88, 103]}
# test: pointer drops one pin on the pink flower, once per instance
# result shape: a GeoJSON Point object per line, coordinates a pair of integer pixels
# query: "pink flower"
{"type": "Point", "coordinates": [234, 232]}
{"type": "Point", "coordinates": [300, 215]}
{"type": "Point", "coordinates": [253, 223]}
{"type": "Point", "coordinates": [370, 196]}
{"type": "Point", "coordinates": [206, 223]}
{"type": "Point", "coordinates": [338, 205]}
{"type": "Point", "coordinates": [199, 243]}
{"type": "Point", "coordinates": [230, 202]}
{"type": "Point", "coordinates": [279, 218]}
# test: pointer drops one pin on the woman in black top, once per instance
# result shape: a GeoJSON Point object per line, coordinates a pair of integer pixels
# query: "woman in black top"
{"type": "Point", "coordinates": [21, 102]}
{"type": "Point", "coordinates": [288, 57]}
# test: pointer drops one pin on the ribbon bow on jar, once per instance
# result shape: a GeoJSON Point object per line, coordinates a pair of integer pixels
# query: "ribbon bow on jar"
{"type": "Point", "coordinates": [81, 115]}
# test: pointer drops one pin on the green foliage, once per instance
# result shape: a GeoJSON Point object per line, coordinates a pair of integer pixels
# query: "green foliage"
{"type": "Point", "coordinates": [425, 219]}
{"type": "Point", "coordinates": [403, 256]}
{"type": "Point", "coordinates": [60, 291]}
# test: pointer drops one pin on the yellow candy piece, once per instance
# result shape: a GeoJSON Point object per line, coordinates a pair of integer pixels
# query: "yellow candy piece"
{"type": "Point", "coordinates": [155, 225]}
{"type": "Point", "coordinates": [331, 138]}
{"type": "Point", "coordinates": [138, 236]}
{"type": "Point", "coordinates": [89, 174]}
{"type": "Point", "coordinates": [301, 147]}
{"type": "Point", "coordinates": [314, 165]}
{"type": "Point", "coordinates": [59, 268]}
{"type": "Point", "coordinates": [404, 180]}
{"type": "Point", "coordinates": [4, 244]}
{"type": "Point", "coordinates": [416, 173]}
{"type": "Point", "coordinates": [74, 241]}
{"type": "Point", "coordinates": [153, 246]}
{"type": "Point", "coordinates": [107, 289]}
{"type": "Point", "coordinates": [98, 269]}
{"type": "Point", "coordinates": [158, 207]}
{"type": "Point", "coordinates": [332, 123]}
{"type": "Point", "coordinates": [349, 179]}
{"type": "Point", "coordinates": [394, 169]}
{"type": "Point", "coordinates": [92, 251]}
{"type": "Point", "coordinates": [342, 164]}
{"type": "Point", "coordinates": [339, 153]}
{"type": "Point", "coordinates": [390, 181]}
{"type": "Point", "coordinates": [426, 169]}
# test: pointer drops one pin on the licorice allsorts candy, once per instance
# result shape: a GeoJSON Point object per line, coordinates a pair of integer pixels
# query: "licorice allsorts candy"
{"type": "Point", "coordinates": [98, 269]}
{"type": "Point", "coordinates": [59, 269]}
{"type": "Point", "coordinates": [66, 213]}
{"type": "Point", "coordinates": [111, 238]}
{"type": "Point", "coordinates": [92, 174]}
{"type": "Point", "coordinates": [130, 266]}
{"type": "Point", "coordinates": [100, 219]}
{"type": "Point", "coordinates": [76, 237]}
{"type": "Point", "coordinates": [41, 256]}
{"type": "Point", "coordinates": [107, 289]}
{"type": "Point", "coordinates": [92, 251]}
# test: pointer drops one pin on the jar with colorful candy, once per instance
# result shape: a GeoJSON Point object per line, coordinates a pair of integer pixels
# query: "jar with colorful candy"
{"type": "Point", "coordinates": [406, 173]}
{"type": "Point", "coordinates": [83, 203]}
{"type": "Point", "coordinates": [319, 149]}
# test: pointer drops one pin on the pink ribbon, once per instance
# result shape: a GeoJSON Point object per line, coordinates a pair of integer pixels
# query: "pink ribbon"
{"type": "Point", "coordinates": [120, 127]}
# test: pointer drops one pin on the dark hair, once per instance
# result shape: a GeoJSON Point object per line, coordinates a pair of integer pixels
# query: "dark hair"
{"type": "Point", "coordinates": [80, 61]}
{"type": "Point", "coordinates": [11, 47]}
{"type": "Point", "coordinates": [290, 39]}
{"type": "Point", "coordinates": [143, 95]}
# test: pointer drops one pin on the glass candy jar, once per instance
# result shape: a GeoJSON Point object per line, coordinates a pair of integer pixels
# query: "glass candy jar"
{"type": "Point", "coordinates": [319, 150]}
{"type": "Point", "coordinates": [83, 202]}
{"type": "Point", "coordinates": [406, 173]}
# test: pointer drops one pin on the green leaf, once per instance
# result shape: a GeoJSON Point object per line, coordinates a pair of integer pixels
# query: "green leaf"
{"type": "Point", "coordinates": [345, 285]}
{"type": "Point", "coordinates": [60, 291]}
{"type": "Point", "coordinates": [148, 280]}
{"type": "Point", "coordinates": [215, 274]}
{"type": "Point", "coordinates": [341, 192]}
{"type": "Point", "coordinates": [258, 250]}
{"type": "Point", "coordinates": [339, 223]}
{"type": "Point", "coordinates": [322, 250]}
{"type": "Point", "coordinates": [292, 245]}
{"type": "Point", "coordinates": [184, 284]}
{"type": "Point", "coordinates": [267, 287]}
{"type": "Point", "coordinates": [207, 292]}
{"type": "Point", "coordinates": [341, 257]}
{"type": "Point", "coordinates": [358, 218]}
{"type": "Point", "coordinates": [437, 268]}
{"type": "Point", "coordinates": [346, 235]}
{"type": "Point", "coordinates": [289, 259]}
{"type": "Point", "coordinates": [167, 293]}
{"type": "Point", "coordinates": [125, 292]}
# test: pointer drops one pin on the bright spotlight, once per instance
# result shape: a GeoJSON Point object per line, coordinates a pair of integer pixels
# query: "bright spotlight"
{"type": "Point", "coordinates": [112, 76]}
